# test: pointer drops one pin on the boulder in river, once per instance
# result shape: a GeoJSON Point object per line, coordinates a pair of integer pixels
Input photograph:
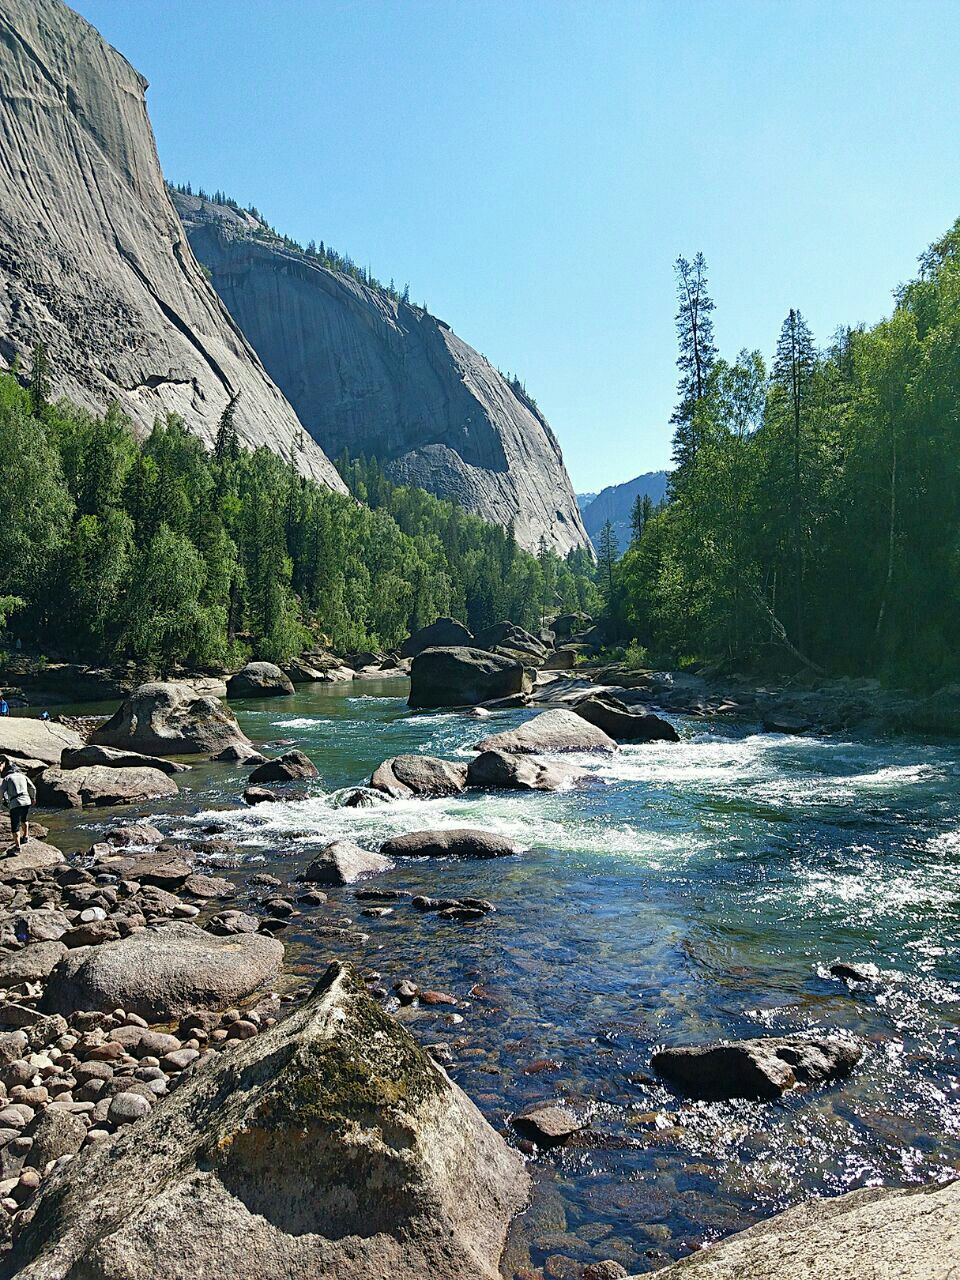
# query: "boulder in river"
{"type": "Point", "coordinates": [403, 777]}
{"type": "Point", "coordinates": [443, 632]}
{"type": "Point", "coordinates": [330, 1145]}
{"type": "Point", "coordinates": [133, 834]}
{"type": "Point", "coordinates": [240, 753]}
{"type": "Point", "coordinates": [113, 758]}
{"type": "Point", "coordinates": [502, 770]}
{"type": "Point", "coordinates": [170, 718]}
{"type": "Point", "coordinates": [259, 680]}
{"type": "Point", "coordinates": [26, 738]}
{"type": "Point", "coordinates": [343, 862]}
{"type": "Point", "coordinates": [623, 723]}
{"type": "Point", "coordinates": [99, 785]}
{"type": "Point", "coordinates": [764, 1068]}
{"type": "Point", "coordinates": [877, 1233]}
{"type": "Point", "coordinates": [550, 731]}
{"type": "Point", "coordinates": [457, 842]}
{"type": "Point", "coordinates": [458, 676]}
{"type": "Point", "coordinates": [160, 973]}
{"type": "Point", "coordinates": [292, 766]}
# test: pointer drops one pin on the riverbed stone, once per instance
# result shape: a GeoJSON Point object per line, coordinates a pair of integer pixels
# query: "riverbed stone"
{"type": "Point", "coordinates": [504, 770]}
{"type": "Point", "coordinates": [455, 842]}
{"type": "Point", "coordinates": [292, 766]}
{"type": "Point", "coordinates": [259, 680]}
{"type": "Point", "coordinates": [344, 1153]}
{"type": "Point", "coordinates": [548, 1124]}
{"type": "Point", "coordinates": [240, 753]}
{"type": "Point", "coordinates": [550, 731]}
{"type": "Point", "coordinates": [170, 718]}
{"type": "Point", "coordinates": [225, 923]}
{"type": "Point", "coordinates": [403, 777]}
{"type": "Point", "coordinates": [134, 833]}
{"type": "Point", "coordinates": [259, 795]}
{"type": "Point", "coordinates": [764, 1068]}
{"type": "Point", "coordinates": [343, 862]}
{"type": "Point", "coordinates": [97, 785]}
{"type": "Point", "coordinates": [625, 723]}
{"type": "Point", "coordinates": [451, 676]}
{"type": "Point", "coordinates": [203, 886]}
{"type": "Point", "coordinates": [34, 856]}
{"type": "Point", "coordinates": [55, 1132]}
{"type": "Point", "coordinates": [443, 633]}
{"type": "Point", "coordinates": [162, 972]}
{"type": "Point", "coordinates": [114, 758]}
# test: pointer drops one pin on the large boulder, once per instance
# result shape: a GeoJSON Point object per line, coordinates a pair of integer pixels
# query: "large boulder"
{"type": "Point", "coordinates": [113, 758]}
{"type": "Point", "coordinates": [876, 1233]}
{"type": "Point", "coordinates": [259, 680]}
{"type": "Point", "coordinates": [763, 1068]}
{"type": "Point", "coordinates": [34, 856]}
{"type": "Point", "coordinates": [162, 972]}
{"type": "Point", "coordinates": [294, 766]}
{"type": "Point", "coordinates": [570, 624]}
{"type": "Point", "coordinates": [459, 676]}
{"type": "Point", "coordinates": [24, 738]}
{"type": "Point", "coordinates": [443, 632]}
{"type": "Point", "coordinates": [99, 785]}
{"type": "Point", "coordinates": [330, 1145]}
{"type": "Point", "coordinates": [457, 842]}
{"type": "Point", "coordinates": [169, 718]}
{"type": "Point", "coordinates": [625, 724]}
{"type": "Point", "coordinates": [507, 637]}
{"type": "Point", "coordinates": [343, 862]}
{"type": "Point", "coordinates": [551, 731]}
{"type": "Point", "coordinates": [403, 777]}
{"type": "Point", "coordinates": [503, 770]}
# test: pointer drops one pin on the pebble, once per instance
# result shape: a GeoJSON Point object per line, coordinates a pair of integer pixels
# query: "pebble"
{"type": "Point", "coordinates": [126, 1107]}
{"type": "Point", "coordinates": [179, 1059]}
{"type": "Point", "coordinates": [92, 914]}
{"type": "Point", "coordinates": [437, 997]}
{"type": "Point", "coordinates": [377, 912]}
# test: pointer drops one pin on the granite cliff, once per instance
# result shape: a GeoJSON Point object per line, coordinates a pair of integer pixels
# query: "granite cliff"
{"type": "Point", "coordinates": [371, 374]}
{"type": "Point", "coordinates": [93, 259]}
{"type": "Point", "coordinates": [615, 503]}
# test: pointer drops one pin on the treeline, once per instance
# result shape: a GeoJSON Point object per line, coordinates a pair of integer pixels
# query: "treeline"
{"type": "Point", "coordinates": [814, 513]}
{"type": "Point", "coordinates": [164, 553]}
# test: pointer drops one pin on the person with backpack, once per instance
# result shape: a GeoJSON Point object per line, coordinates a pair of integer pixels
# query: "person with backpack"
{"type": "Point", "coordinates": [18, 794]}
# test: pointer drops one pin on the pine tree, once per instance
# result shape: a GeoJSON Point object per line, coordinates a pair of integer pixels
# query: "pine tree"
{"type": "Point", "coordinates": [698, 353]}
{"type": "Point", "coordinates": [227, 444]}
{"type": "Point", "coordinates": [641, 513]}
{"type": "Point", "coordinates": [607, 555]}
{"type": "Point", "coordinates": [39, 379]}
{"type": "Point", "coordinates": [793, 368]}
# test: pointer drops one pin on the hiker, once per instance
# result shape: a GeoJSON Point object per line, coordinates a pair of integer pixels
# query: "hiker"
{"type": "Point", "coordinates": [18, 794]}
{"type": "Point", "coordinates": [4, 706]}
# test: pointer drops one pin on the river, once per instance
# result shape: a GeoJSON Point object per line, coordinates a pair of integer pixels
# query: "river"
{"type": "Point", "coordinates": [691, 891]}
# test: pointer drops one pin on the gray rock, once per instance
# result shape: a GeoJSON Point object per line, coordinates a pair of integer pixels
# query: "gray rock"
{"type": "Point", "coordinates": [55, 1133]}
{"type": "Point", "coordinates": [127, 1107]}
{"type": "Point", "coordinates": [763, 1068]}
{"type": "Point", "coordinates": [460, 676]}
{"type": "Point", "coordinates": [412, 394]}
{"type": "Point", "coordinates": [403, 777]}
{"type": "Point", "coordinates": [293, 766]}
{"type": "Point", "coordinates": [457, 842]}
{"type": "Point", "coordinates": [201, 886]}
{"type": "Point", "coordinates": [94, 259]}
{"type": "Point", "coordinates": [259, 680]}
{"type": "Point", "coordinates": [229, 922]}
{"type": "Point", "coordinates": [160, 870]}
{"type": "Point", "coordinates": [114, 758]}
{"type": "Point", "coordinates": [240, 753]}
{"type": "Point", "coordinates": [34, 856]}
{"type": "Point", "coordinates": [98, 785]}
{"type": "Point", "coordinates": [344, 1153]}
{"type": "Point", "coordinates": [444, 632]}
{"type": "Point", "coordinates": [507, 636]}
{"type": "Point", "coordinates": [874, 1234]}
{"type": "Point", "coordinates": [503, 770]}
{"type": "Point", "coordinates": [549, 1125]}
{"type": "Point", "coordinates": [171, 718]}
{"type": "Point", "coordinates": [137, 833]}
{"type": "Point", "coordinates": [162, 972]}
{"type": "Point", "coordinates": [25, 738]}
{"type": "Point", "coordinates": [623, 723]}
{"type": "Point", "coordinates": [550, 731]}
{"type": "Point", "coordinates": [31, 964]}
{"type": "Point", "coordinates": [343, 862]}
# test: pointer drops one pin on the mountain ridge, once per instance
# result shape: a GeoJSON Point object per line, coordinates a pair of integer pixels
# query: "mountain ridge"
{"type": "Point", "coordinates": [615, 503]}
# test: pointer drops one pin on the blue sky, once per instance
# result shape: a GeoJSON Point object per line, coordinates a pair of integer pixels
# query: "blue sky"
{"type": "Point", "coordinates": [533, 167]}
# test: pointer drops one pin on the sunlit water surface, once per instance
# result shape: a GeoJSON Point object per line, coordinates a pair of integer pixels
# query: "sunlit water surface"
{"type": "Point", "coordinates": [690, 892]}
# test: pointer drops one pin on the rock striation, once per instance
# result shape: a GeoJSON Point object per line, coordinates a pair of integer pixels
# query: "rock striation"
{"type": "Point", "coordinates": [93, 259]}
{"type": "Point", "coordinates": [373, 375]}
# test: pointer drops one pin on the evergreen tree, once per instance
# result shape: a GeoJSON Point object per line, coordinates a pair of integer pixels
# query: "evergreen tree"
{"type": "Point", "coordinates": [697, 352]}
{"type": "Point", "coordinates": [607, 554]}
{"type": "Point", "coordinates": [39, 379]}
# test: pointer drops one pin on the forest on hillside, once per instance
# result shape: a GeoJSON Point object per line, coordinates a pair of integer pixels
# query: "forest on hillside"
{"type": "Point", "coordinates": [813, 519]}
{"type": "Point", "coordinates": [165, 553]}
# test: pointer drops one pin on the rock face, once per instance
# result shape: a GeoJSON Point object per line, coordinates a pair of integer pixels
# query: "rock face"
{"type": "Point", "coordinates": [873, 1234]}
{"type": "Point", "coordinates": [372, 375]}
{"type": "Point", "coordinates": [169, 718]}
{"type": "Point", "coordinates": [626, 724]}
{"type": "Point", "coordinates": [93, 259]}
{"type": "Point", "coordinates": [29, 739]}
{"type": "Point", "coordinates": [100, 785]}
{"type": "Point", "coordinates": [458, 842]}
{"type": "Point", "coordinates": [557, 730]}
{"type": "Point", "coordinates": [764, 1068]}
{"type": "Point", "coordinates": [403, 777]}
{"type": "Point", "coordinates": [161, 973]}
{"type": "Point", "coordinates": [259, 680]}
{"type": "Point", "coordinates": [459, 676]}
{"type": "Point", "coordinates": [329, 1146]}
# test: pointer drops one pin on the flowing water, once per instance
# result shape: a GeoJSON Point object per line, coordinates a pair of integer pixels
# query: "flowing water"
{"type": "Point", "coordinates": [691, 891]}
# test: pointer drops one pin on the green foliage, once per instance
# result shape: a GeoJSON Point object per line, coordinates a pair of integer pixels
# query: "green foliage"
{"type": "Point", "coordinates": [166, 554]}
{"type": "Point", "coordinates": [816, 522]}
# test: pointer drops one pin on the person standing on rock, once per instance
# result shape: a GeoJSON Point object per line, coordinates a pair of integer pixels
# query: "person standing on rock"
{"type": "Point", "coordinates": [18, 794]}
{"type": "Point", "coordinates": [4, 706]}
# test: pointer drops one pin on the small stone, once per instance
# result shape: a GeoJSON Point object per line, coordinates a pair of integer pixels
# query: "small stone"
{"type": "Point", "coordinates": [127, 1107]}
{"type": "Point", "coordinates": [179, 1059]}
{"type": "Point", "coordinates": [606, 1270]}
{"type": "Point", "coordinates": [437, 997]}
{"type": "Point", "coordinates": [92, 914]}
{"type": "Point", "coordinates": [264, 877]}
{"type": "Point", "coordinates": [96, 1135]}
{"type": "Point", "coordinates": [407, 991]}
{"type": "Point", "coordinates": [549, 1125]}
{"type": "Point", "coordinates": [259, 795]}
{"type": "Point", "coordinates": [241, 1030]}
{"type": "Point", "coordinates": [377, 912]}
{"type": "Point", "coordinates": [26, 1186]}
{"type": "Point", "coordinates": [312, 897]}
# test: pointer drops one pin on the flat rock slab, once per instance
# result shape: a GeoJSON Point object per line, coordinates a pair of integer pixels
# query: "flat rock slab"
{"type": "Point", "coordinates": [99, 785]}
{"type": "Point", "coordinates": [114, 758]}
{"type": "Point", "coordinates": [403, 777]}
{"type": "Point", "coordinates": [33, 856]}
{"type": "Point", "coordinates": [328, 1146]}
{"type": "Point", "coordinates": [343, 862]}
{"type": "Point", "coordinates": [874, 1234]}
{"type": "Point", "coordinates": [31, 739]}
{"type": "Point", "coordinates": [458, 842]}
{"type": "Point", "coordinates": [163, 972]}
{"type": "Point", "coordinates": [763, 1069]}
{"type": "Point", "coordinates": [551, 731]}
{"type": "Point", "coordinates": [548, 1126]}
{"type": "Point", "coordinates": [164, 870]}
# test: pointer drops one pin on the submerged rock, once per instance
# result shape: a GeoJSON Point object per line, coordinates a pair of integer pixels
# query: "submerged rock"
{"type": "Point", "coordinates": [625, 724]}
{"type": "Point", "coordinates": [548, 1124]}
{"type": "Point", "coordinates": [458, 842]}
{"type": "Point", "coordinates": [443, 632]}
{"type": "Point", "coordinates": [293, 766]}
{"type": "Point", "coordinates": [100, 785]}
{"type": "Point", "coordinates": [763, 1068]}
{"type": "Point", "coordinates": [170, 718]}
{"type": "Point", "coordinates": [343, 862]}
{"type": "Point", "coordinates": [403, 777]}
{"type": "Point", "coordinates": [259, 680]}
{"type": "Point", "coordinates": [550, 731]}
{"type": "Point", "coordinates": [873, 1234]}
{"type": "Point", "coordinates": [240, 753]}
{"type": "Point", "coordinates": [457, 676]}
{"type": "Point", "coordinates": [501, 769]}
{"type": "Point", "coordinates": [162, 972]}
{"type": "Point", "coordinates": [328, 1146]}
